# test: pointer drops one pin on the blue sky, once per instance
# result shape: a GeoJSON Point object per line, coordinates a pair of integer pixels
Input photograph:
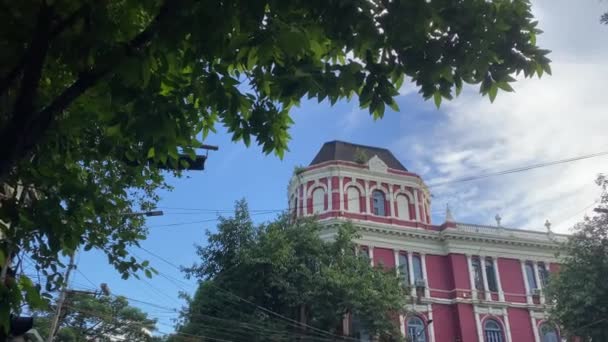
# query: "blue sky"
{"type": "Point", "coordinates": [553, 118]}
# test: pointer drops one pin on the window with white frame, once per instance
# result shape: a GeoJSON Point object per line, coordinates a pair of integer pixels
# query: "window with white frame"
{"type": "Point", "coordinates": [548, 333]}
{"type": "Point", "coordinates": [403, 207]}
{"type": "Point", "coordinates": [543, 273]}
{"type": "Point", "coordinates": [318, 200]}
{"type": "Point", "coordinates": [492, 331]}
{"type": "Point", "coordinates": [417, 267]}
{"type": "Point", "coordinates": [364, 252]}
{"type": "Point", "coordinates": [477, 276]}
{"type": "Point", "coordinates": [404, 271]}
{"type": "Point", "coordinates": [353, 196]}
{"type": "Point", "coordinates": [491, 274]}
{"type": "Point", "coordinates": [379, 203]}
{"type": "Point", "coordinates": [415, 329]}
{"type": "Point", "coordinates": [530, 278]}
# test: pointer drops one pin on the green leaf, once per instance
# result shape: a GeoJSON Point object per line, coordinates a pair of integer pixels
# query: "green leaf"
{"type": "Point", "coordinates": [437, 99]}
{"type": "Point", "coordinates": [113, 131]}
{"type": "Point", "coordinates": [148, 273]}
{"type": "Point", "coordinates": [493, 91]}
{"type": "Point", "coordinates": [394, 106]}
{"type": "Point", "coordinates": [505, 86]}
{"type": "Point", "coordinates": [151, 153]}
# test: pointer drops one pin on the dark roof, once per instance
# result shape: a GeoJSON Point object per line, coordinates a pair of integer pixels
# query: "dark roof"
{"type": "Point", "coordinates": [341, 150]}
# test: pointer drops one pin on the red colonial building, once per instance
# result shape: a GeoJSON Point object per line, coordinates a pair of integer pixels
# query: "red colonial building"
{"type": "Point", "coordinates": [470, 282]}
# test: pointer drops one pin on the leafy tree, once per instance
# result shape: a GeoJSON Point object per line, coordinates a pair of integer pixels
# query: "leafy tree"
{"type": "Point", "coordinates": [95, 95]}
{"type": "Point", "coordinates": [285, 267]}
{"type": "Point", "coordinates": [89, 318]}
{"type": "Point", "coordinates": [580, 289]}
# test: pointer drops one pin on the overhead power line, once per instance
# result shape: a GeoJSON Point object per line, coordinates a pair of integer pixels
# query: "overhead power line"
{"type": "Point", "coordinates": [519, 169]}
{"type": "Point", "coordinates": [437, 184]}
{"type": "Point", "coordinates": [278, 315]}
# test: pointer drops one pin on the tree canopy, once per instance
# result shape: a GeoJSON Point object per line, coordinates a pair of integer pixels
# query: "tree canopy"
{"type": "Point", "coordinates": [98, 318]}
{"type": "Point", "coordinates": [580, 290]}
{"type": "Point", "coordinates": [95, 95]}
{"type": "Point", "coordinates": [282, 280]}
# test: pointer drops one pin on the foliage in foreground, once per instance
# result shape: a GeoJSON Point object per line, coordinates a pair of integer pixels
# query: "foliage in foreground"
{"type": "Point", "coordinates": [95, 95]}
{"type": "Point", "coordinates": [93, 318]}
{"type": "Point", "coordinates": [580, 289]}
{"type": "Point", "coordinates": [285, 267]}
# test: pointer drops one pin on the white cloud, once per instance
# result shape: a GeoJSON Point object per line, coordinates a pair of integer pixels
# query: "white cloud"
{"type": "Point", "coordinates": [556, 117]}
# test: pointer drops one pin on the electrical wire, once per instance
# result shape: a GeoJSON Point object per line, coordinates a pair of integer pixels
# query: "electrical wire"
{"type": "Point", "coordinates": [299, 324]}
{"type": "Point", "coordinates": [437, 184]}
{"type": "Point", "coordinates": [519, 169]}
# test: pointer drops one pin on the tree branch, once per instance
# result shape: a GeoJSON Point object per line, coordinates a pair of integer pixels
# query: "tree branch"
{"type": "Point", "coordinates": [21, 136]}
{"type": "Point", "coordinates": [6, 82]}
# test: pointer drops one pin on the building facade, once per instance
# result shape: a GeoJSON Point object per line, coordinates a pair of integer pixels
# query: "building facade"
{"type": "Point", "coordinates": [469, 282]}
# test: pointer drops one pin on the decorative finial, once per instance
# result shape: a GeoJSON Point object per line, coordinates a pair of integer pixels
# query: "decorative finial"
{"type": "Point", "coordinates": [497, 218]}
{"type": "Point", "coordinates": [548, 225]}
{"type": "Point", "coordinates": [448, 214]}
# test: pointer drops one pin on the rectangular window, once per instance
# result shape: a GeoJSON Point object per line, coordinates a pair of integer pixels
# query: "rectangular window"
{"type": "Point", "coordinates": [530, 276]}
{"type": "Point", "coordinates": [364, 252]}
{"type": "Point", "coordinates": [404, 272]}
{"type": "Point", "coordinates": [417, 264]}
{"type": "Point", "coordinates": [543, 272]}
{"type": "Point", "coordinates": [492, 286]}
{"type": "Point", "coordinates": [477, 274]}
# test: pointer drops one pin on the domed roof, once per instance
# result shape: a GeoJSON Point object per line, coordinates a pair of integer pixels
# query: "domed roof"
{"type": "Point", "coordinates": [345, 151]}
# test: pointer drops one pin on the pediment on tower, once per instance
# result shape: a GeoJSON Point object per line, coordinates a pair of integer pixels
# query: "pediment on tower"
{"type": "Point", "coordinates": [376, 164]}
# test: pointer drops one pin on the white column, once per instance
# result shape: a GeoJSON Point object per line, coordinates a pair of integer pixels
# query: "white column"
{"type": "Point", "coordinates": [367, 200]}
{"type": "Point", "coordinates": [371, 255]}
{"type": "Point", "coordinates": [431, 327]}
{"type": "Point", "coordinates": [427, 291]}
{"type": "Point", "coordinates": [523, 272]}
{"type": "Point", "coordinates": [501, 294]}
{"type": "Point", "coordinates": [410, 267]}
{"type": "Point", "coordinates": [471, 277]}
{"type": "Point", "coordinates": [486, 288]}
{"type": "Point", "coordinates": [341, 192]}
{"type": "Point", "coordinates": [478, 325]}
{"type": "Point", "coordinates": [396, 253]}
{"type": "Point", "coordinates": [330, 192]}
{"type": "Point", "coordinates": [416, 203]}
{"type": "Point", "coordinates": [402, 325]}
{"type": "Point", "coordinates": [391, 203]}
{"type": "Point", "coordinates": [534, 327]}
{"type": "Point", "coordinates": [505, 316]}
{"type": "Point", "coordinates": [304, 198]}
{"type": "Point", "coordinates": [538, 284]}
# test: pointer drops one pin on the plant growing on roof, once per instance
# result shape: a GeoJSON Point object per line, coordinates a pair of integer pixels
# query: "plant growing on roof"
{"type": "Point", "coordinates": [360, 156]}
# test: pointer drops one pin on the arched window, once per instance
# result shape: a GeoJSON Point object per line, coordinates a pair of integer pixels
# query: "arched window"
{"type": "Point", "coordinates": [403, 207]}
{"type": "Point", "coordinates": [492, 331]}
{"type": "Point", "coordinates": [353, 197]}
{"type": "Point", "coordinates": [379, 203]}
{"type": "Point", "coordinates": [415, 329]}
{"type": "Point", "coordinates": [548, 333]}
{"type": "Point", "coordinates": [318, 200]}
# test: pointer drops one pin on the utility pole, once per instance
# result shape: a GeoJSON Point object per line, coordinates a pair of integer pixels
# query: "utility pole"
{"type": "Point", "coordinates": [66, 278]}
{"type": "Point", "coordinates": [61, 300]}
